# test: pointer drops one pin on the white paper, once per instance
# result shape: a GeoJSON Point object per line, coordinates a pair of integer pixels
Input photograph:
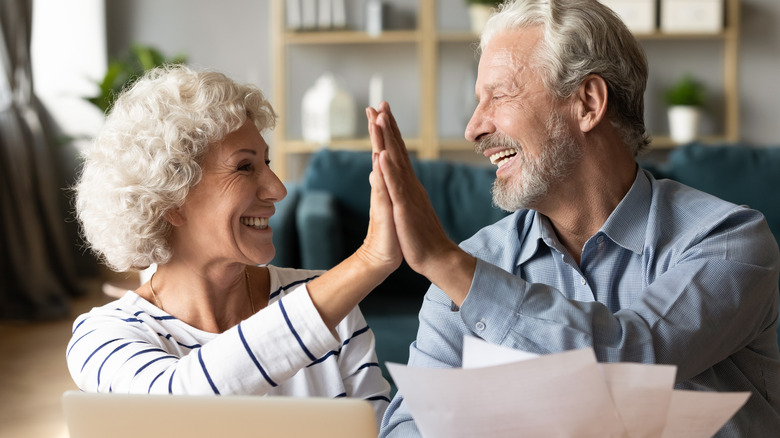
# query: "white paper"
{"type": "Point", "coordinates": [502, 392]}
{"type": "Point", "coordinates": [645, 415]}
{"type": "Point", "coordinates": [548, 396]}
{"type": "Point", "coordinates": [694, 414]}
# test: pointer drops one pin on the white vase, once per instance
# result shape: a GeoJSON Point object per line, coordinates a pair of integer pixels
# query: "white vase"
{"type": "Point", "coordinates": [328, 112]}
{"type": "Point", "coordinates": [479, 15]}
{"type": "Point", "coordinates": [684, 123]}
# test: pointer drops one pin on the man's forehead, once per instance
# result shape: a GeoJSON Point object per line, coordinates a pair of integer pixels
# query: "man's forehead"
{"type": "Point", "coordinates": [512, 45]}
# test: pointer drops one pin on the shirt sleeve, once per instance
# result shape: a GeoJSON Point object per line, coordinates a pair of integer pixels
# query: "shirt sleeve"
{"type": "Point", "coordinates": [712, 297]}
{"type": "Point", "coordinates": [110, 352]}
{"type": "Point", "coordinates": [358, 363]}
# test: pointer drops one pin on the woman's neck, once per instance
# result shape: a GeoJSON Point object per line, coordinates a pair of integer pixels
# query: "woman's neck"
{"type": "Point", "coordinates": [212, 300]}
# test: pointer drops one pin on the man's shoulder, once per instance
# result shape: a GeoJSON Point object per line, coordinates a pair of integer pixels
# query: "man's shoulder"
{"type": "Point", "coordinates": [674, 200]}
{"type": "Point", "coordinates": [494, 237]}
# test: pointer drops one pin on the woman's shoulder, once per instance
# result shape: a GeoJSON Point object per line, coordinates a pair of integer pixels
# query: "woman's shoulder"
{"type": "Point", "coordinates": [284, 280]}
{"type": "Point", "coordinates": [129, 310]}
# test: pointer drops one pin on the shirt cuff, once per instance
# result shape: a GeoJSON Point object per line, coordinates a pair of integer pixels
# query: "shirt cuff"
{"type": "Point", "coordinates": [492, 305]}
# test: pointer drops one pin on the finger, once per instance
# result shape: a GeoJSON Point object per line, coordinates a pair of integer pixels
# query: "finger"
{"type": "Point", "coordinates": [393, 123]}
{"type": "Point", "coordinates": [393, 143]}
{"type": "Point", "coordinates": [377, 141]}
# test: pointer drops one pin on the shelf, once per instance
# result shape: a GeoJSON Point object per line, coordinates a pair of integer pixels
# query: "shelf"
{"type": "Point", "coordinates": [429, 43]}
{"type": "Point", "coordinates": [350, 37]}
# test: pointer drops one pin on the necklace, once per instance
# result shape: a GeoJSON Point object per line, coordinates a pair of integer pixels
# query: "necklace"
{"type": "Point", "coordinates": [248, 293]}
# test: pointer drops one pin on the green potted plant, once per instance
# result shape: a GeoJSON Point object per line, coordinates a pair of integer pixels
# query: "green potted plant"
{"type": "Point", "coordinates": [479, 12]}
{"type": "Point", "coordinates": [123, 71]}
{"type": "Point", "coordinates": [685, 100]}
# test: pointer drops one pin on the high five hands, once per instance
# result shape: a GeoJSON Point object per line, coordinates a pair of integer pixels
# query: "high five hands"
{"type": "Point", "coordinates": [423, 242]}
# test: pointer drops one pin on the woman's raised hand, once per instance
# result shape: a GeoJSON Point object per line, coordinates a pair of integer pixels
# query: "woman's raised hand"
{"type": "Point", "coordinates": [380, 246]}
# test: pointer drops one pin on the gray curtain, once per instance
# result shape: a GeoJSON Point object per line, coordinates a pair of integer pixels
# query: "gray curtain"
{"type": "Point", "coordinates": [37, 270]}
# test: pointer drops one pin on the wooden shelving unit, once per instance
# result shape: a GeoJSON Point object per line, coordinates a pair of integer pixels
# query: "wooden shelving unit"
{"type": "Point", "coordinates": [426, 39]}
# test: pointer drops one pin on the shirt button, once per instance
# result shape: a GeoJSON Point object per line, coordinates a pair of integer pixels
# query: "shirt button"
{"type": "Point", "coordinates": [480, 325]}
{"type": "Point", "coordinates": [600, 239]}
{"type": "Point", "coordinates": [583, 281]}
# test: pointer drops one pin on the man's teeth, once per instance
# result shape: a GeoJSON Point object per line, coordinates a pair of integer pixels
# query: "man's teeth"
{"type": "Point", "coordinates": [501, 158]}
{"type": "Point", "coordinates": [259, 223]}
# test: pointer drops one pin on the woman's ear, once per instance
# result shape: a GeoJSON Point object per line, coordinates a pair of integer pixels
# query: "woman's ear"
{"type": "Point", "coordinates": [592, 99]}
{"type": "Point", "coordinates": [175, 217]}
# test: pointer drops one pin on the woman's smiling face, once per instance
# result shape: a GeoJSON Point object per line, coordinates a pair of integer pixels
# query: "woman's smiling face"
{"type": "Point", "coordinates": [225, 216]}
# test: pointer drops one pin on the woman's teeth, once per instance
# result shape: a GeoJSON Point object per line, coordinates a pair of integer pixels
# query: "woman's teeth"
{"type": "Point", "coordinates": [501, 158]}
{"type": "Point", "coordinates": [258, 223]}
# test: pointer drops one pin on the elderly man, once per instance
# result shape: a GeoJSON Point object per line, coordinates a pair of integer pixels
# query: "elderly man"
{"type": "Point", "coordinates": [597, 253]}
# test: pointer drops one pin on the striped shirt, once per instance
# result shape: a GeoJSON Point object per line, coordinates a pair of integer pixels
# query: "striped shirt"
{"type": "Point", "coordinates": [131, 346]}
{"type": "Point", "coordinates": [674, 276]}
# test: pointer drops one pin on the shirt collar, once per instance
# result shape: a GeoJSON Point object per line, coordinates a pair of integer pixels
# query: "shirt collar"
{"type": "Point", "coordinates": [627, 224]}
{"type": "Point", "coordinates": [531, 236]}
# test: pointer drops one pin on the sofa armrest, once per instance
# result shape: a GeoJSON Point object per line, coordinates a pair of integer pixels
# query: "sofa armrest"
{"type": "Point", "coordinates": [285, 234]}
{"type": "Point", "coordinates": [319, 230]}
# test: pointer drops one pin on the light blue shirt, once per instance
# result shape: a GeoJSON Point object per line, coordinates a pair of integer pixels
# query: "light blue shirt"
{"type": "Point", "coordinates": [674, 276]}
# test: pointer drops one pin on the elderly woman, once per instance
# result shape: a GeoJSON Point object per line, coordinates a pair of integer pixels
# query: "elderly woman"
{"type": "Point", "coordinates": [179, 177]}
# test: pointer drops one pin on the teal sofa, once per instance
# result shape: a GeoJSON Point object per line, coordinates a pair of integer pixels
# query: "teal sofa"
{"type": "Point", "coordinates": [325, 216]}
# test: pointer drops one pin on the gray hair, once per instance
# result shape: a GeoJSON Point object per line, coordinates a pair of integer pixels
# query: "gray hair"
{"type": "Point", "coordinates": [584, 37]}
{"type": "Point", "coordinates": [147, 157]}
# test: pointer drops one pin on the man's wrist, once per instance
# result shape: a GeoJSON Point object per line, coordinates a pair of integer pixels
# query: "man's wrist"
{"type": "Point", "coordinates": [452, 272]}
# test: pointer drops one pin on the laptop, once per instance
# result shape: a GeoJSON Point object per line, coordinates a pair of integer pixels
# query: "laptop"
{"type": "Point", "coordinates": [90, 415]}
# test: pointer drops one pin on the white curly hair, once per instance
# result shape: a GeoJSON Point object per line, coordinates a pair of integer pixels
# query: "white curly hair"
{"type": "Point", "coordinates": [147, 156]}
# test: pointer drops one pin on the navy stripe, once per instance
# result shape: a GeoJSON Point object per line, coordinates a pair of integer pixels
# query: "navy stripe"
{"type": "Point", "coordinates": [163, 318]}
{"type": "Point", "coordinates": [100, 370]}
{"type": "Point", "coordinates": [206, 373]}
{"type": "Point", "coordinates": [378, 397]}
{"type": "Point", "coordinates": [354, 335]}
{"type": "Point", "coordinates": [169, 337]}
{"type": "Point", "coordinates": [170, 383]}
{"type": "Point", "coordinates": [254, 359]}
{"type": "Point", "coordinates": [158, 318]}
{"type": "Point", "coordinates": [368, 365]}
{"type": "Point", "coordinates": [294, 283]}
{"type": "Point", "coordinates": [149, 391]}
{"type": "Point", "coordinates": [292, 329]}
{"type": "Point", "coordinates": [95, 352]}
{"type": "Point", "coordinates": [78, 325]}
{"type": "Point", "coordinates": [148, 350]}
{"type": "Point", "coordinates": [151, 362]}
{"type": "Point", "coordinates": [323, 358]}
{"type": "Point", "coordinates": [76, 342]}
{"type": "Point", "coordinates": [337, 353]}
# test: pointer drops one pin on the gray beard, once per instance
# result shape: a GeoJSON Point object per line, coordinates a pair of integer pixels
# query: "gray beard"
{"type": "Point", "coordinates": [558, 154]}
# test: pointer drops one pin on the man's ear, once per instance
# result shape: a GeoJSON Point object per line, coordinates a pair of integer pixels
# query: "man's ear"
{"type": "Point", "coordinates": [591, 102]}
{"type": "Point", "coordinates": [175, 217]}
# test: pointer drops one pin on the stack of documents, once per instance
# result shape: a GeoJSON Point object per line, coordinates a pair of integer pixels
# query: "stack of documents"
{"type": "Point", "coordinates": [501, 392]}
